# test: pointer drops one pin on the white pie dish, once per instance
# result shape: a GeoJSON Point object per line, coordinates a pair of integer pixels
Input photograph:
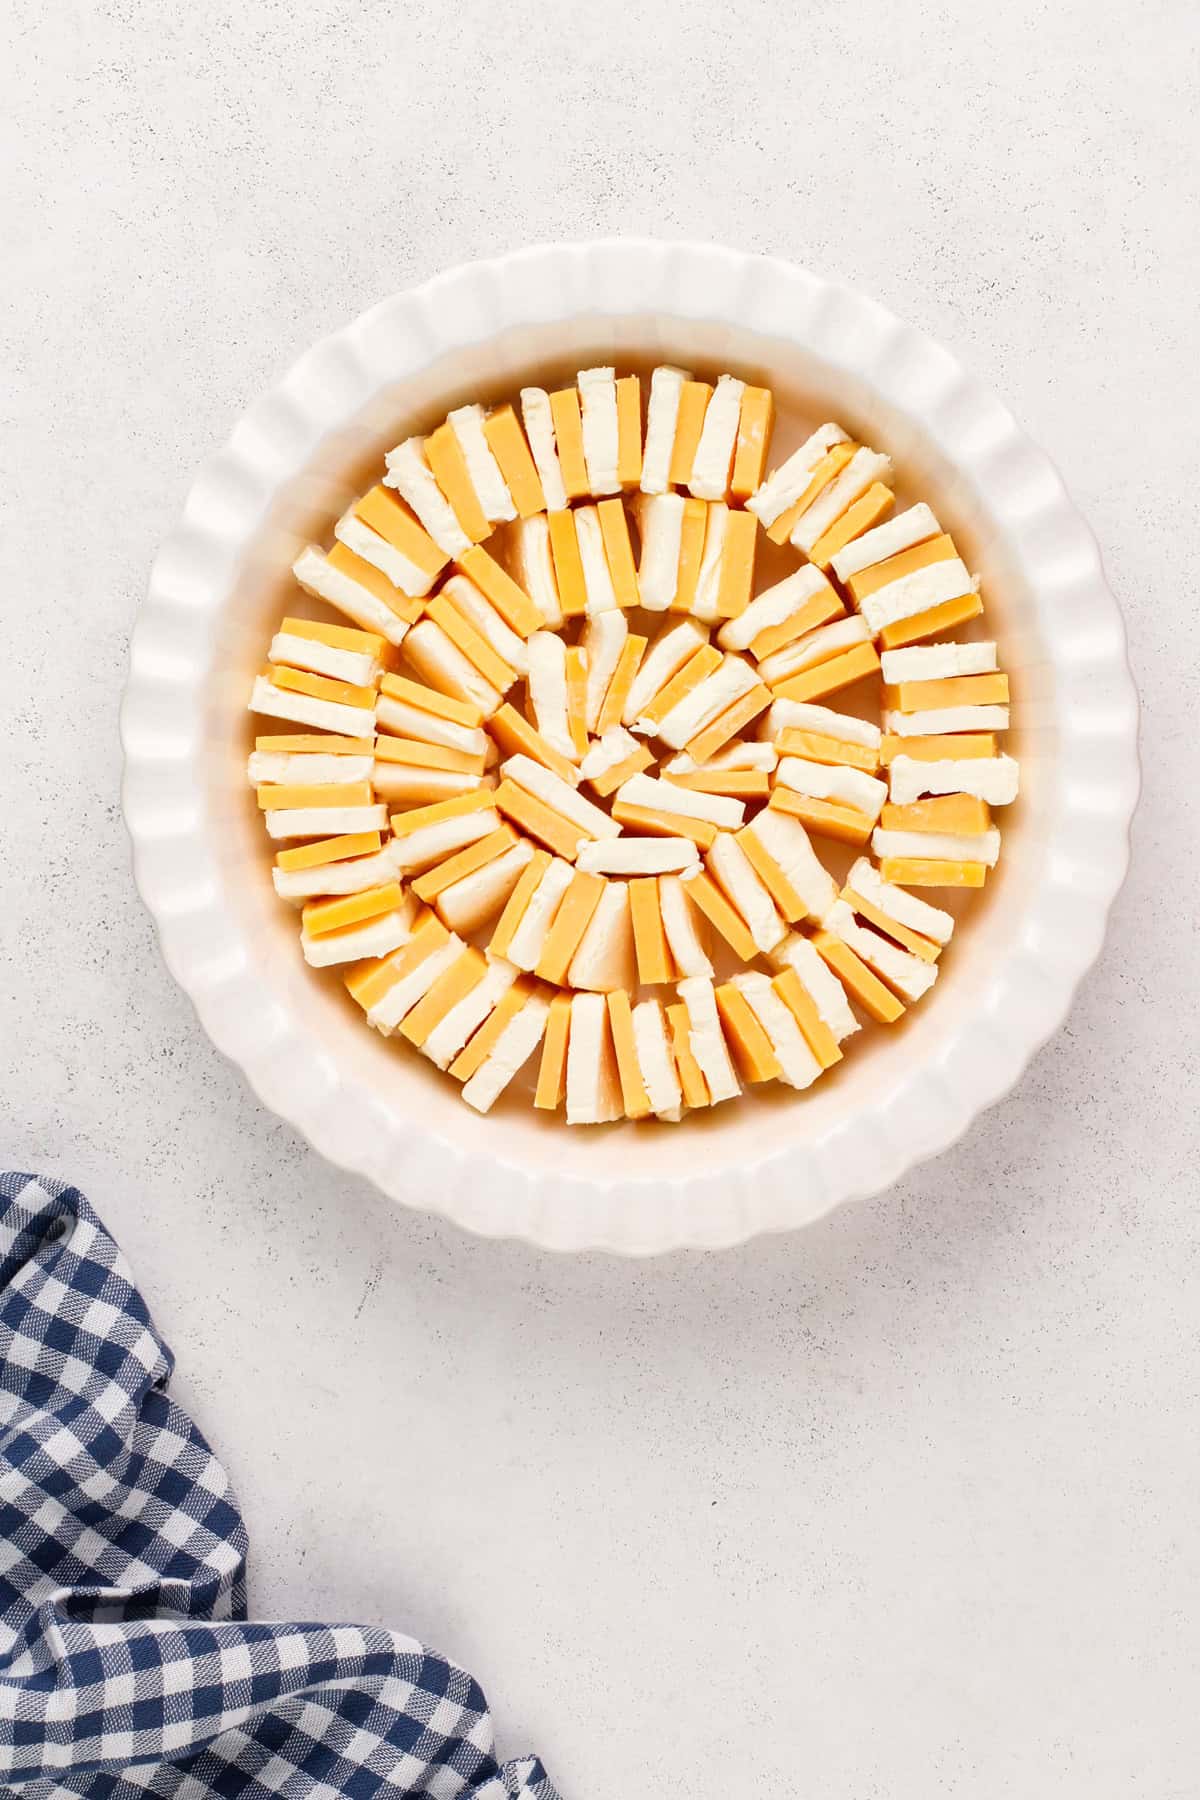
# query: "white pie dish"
{"type": "Point", "coordinates": [220, 581]}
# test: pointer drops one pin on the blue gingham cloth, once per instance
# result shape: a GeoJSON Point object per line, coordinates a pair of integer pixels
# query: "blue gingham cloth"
{"type": "Point", "coordinates": [127, 1665]}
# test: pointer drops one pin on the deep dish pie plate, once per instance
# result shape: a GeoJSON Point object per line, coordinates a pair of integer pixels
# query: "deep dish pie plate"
{"type": "Point", "coordinates": [223, 578]}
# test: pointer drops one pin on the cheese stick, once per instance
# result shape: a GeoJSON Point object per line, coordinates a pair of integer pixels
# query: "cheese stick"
{"type": "Point", "coordinates": [666, 389]}
{"type": "Point", "coordinates": [593, 1085]}
{"type": "Point", "coordinates": [823, 781]}
{"type": "Point", "coordinates": [819, 982]}
{"type": "Point", "coordinates": [744, 888]}
{"type": "Point", "coordinates": [906, 973]}
{"type": "Point", "coordinates": [602, 642]}
{"type": "Point", "coordinates": [356, 589]}
{"type": "Point", "coordinates": [786, 484]}
{"type": "Point", "coordinates": [409, 473]}
{"type": "Point", "coordinates": [539, 429]}
{"type": "Point", "coordinates": [994, 779]}
{"type": "Point", "coordinates": [638, 856]}
{"type": "Point", "coordinates": [491, 489]}
{"type": "Point", "coordinates": [512, 1050]}
{"type": "Point", "coordinates": [535, 568]}
{"type": "Point", "coordinates": [896, 904]}
{"type": "Point", "coordinates": [598, 403]}
{"type": "Point", "coordinates": [708, 1040]}
{"type": "Point", "coordinates": [685, 932]}
{"type": "Point", "coordinates": [656, 1060]}
{"type": "Point", "coordinates": [713, 461]}
{"type": "Point", "coordinates": [315, 701]}
{"type": "Point", "coordinates": [798, 1067]}
{"type": "Point", "coordinates": [665, 657]}
{"type": "Point", "coordinates": [804, 599]}
{"type": "Point", "coordinates": [660, 525]}
{"type": "Point", "coordinates": [444, 667]}
{"type": "Point", "coordinates": [376, 937]}
{"type": "Point", "coordinates": [605, 957]}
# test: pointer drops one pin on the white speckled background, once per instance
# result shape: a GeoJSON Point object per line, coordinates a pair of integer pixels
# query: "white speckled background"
{"type": "Point", "coordinates": [902, 1507]}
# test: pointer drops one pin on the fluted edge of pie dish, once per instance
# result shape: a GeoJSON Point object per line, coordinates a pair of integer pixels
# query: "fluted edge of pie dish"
{"type": "Point", "coordinates": [1096, 762]}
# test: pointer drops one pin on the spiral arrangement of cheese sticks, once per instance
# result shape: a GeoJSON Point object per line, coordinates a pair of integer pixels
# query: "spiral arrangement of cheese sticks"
{"type": "Point", "coordinates": [563, 783]}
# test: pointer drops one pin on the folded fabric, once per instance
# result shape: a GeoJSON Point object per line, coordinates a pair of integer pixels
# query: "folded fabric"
{"type": "Point", "coordinates": [127, 1665]}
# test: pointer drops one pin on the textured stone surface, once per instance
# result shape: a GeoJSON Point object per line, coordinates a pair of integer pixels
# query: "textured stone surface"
{"type": "Point", "coordinates": [899, 1507]}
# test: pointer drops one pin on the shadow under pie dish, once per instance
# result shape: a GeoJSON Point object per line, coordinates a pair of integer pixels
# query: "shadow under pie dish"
{"type": "Point", "coordinates": [764, 747]}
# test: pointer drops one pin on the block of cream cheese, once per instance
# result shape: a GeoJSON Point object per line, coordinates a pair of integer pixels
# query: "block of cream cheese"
{"type": "Point", "coordinates": [729, 681]}
{"type": "Point", "coordinates": [656, 1060]}
{"type": "Point", "coordinates": [315, 767]}
{"type": "Point", "coordinates": [464, 1018]}
{"type": "Point", "coordinates": [753, 757]}
{"type": "Point", "coordinates": [350, 873]}
{"type": "Point", "coordinates": [409, 709]}
{"type": "Point", "coordinates": [605, 957]}
{"type": "Point", "coordinates": [597, 580]}
{"type": "Point", "coordinates": [917, 592]}
{"type": "Point", "coordinates": [534, 566]}
{"type": "Point", "coordinates": [380, 529]}
{"type": "Point", "coordinates": [666, 389]}
{"type": "Point", "coordinates": [598, 402]}
{"type": "Point", "coordinates": [713, 461]}
{"type": "Point", "coordinates": [388, 989]}
{"type": "Point", "coordinates": [496, 632]}
{"type": "Point", "coordinates": [612, 759]}
{"type": "Point", "coordinates": [805, 598]}
{"type": "Point", "coordinates": [704, 603]}
{"type": "Point", "coordinates": [529, 938]}
{"type": "Point", "coordinates": [320, 812]}
{"type": "Point", "coordinates": [653, 793]}
{"type": "Point", "coordinates": [421, 849]}
{"type": "Point", "coordinates": [469, 903]}
{"type": "Point", "coordinates": [682, 924]}
{"type": "Point", "coordinates": [660, 523]}
{"type": "Point", "coordinates": [943, 720]}
{"type": "Point", "coordinates": [786, 484]}
{"type": "Point", "coordinates": [994, 779]}
{"type": "Point", "coordinates": [938, 662]}
{"type": "Point", "coordinates": [539, 429]}
{"type": "Point", "coordinates": [547, 657]}
{"type": "Point", "coordinates": [593, 1083]}
{"type": "Point", "coordinates": [602, 642]}
{"type": "Point", "coordinates": [563, 799]}
{"type": "Point", "coordinates": [638, 856]}
{"type": "Point", "coordinates": [938, 846]}
{"type": "Point", "coordinates": [818, 646]}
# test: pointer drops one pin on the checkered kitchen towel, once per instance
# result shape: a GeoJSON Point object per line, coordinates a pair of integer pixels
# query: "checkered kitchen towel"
{"type": "Point", "coordinates": [127, 1666]}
